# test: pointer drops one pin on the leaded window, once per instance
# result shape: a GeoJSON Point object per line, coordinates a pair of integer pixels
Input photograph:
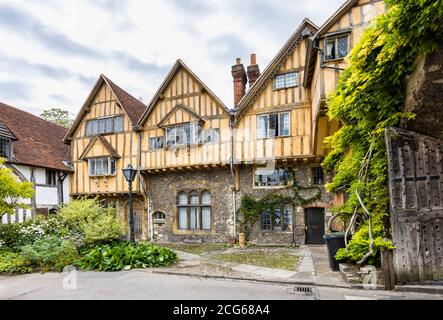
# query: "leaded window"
{"type": "Point", "coordinates": [104, 126]}
{"type": "Point", "coordinates": [5, 148]}
{"type": "Point", "coordinates": [272, 177]}
{"type": "Point", "coordinates": [156, 143]}
{"type": "Point", "coordinates": [274, 125]}
{"type": "Point", "coordinates": [336, 48]}
{"type": "Point", "coordinates": [317, 176]}
{"type": "Point", "coordinates": [51, 177]}
{"type": "Point", "coordinates": [194, 210]}
{"type": "Point", "coordinates": [279, 220]}
{"type": "Point", "coordinates": [184, 134]}
{"type": "Point", "coordinates": [287, 80]}
{"type": "Point", "coordinates": [103, 166]}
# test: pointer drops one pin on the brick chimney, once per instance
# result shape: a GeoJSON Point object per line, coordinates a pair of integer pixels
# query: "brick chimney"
{"type": "Point", "coordinates": [253, 70]}
{"type": "Point", "coordinates": [239, 75]}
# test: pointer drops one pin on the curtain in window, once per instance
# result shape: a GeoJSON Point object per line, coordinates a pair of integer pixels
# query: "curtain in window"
{"type": "Point", "coordinates": [182, 198]}
{"type": "Point", "coordinates": [194, 218]}
{"type": "Point", "coordinates": [287, 215]}
{"type": "Point", "coordinates": [262, 126]}
{"type": "Point", "coordinates": [330, 49]}
{"type": "Point", "coordinates": [182, 218]}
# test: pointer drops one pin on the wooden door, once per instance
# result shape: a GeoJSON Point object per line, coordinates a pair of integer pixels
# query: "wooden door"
{"type": "Point", "coordinates": [415, 166]}
{"type": "Point", "coordinates": [315, 225]}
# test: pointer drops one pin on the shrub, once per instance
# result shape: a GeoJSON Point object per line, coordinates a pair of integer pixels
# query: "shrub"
{"type": "Point", "coordinates": [99, 225]}
{"type": "Point", "coordinates": [50, 254]}
{"type": "Point", "coordinates": [15, 235]}
{"type": "Point", "coordinates": [124, 255]}
{"type": "Point", "coordinates": [13, 263]}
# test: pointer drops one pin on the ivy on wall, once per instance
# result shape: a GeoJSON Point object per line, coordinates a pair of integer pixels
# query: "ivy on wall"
{"type": "Point", "coordinates": [370, 96]}
{"type": "Point", "coordinates": [251, 208]}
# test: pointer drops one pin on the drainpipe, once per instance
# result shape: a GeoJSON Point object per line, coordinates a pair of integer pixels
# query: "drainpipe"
{"type": "Point", "coordinates": [61, 179]}
{"type": "Point", "coordinates": [234, 202]}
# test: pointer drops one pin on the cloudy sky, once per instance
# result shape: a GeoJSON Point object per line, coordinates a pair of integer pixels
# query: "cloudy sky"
{"type": "Point", "coordinates": [53, 50]}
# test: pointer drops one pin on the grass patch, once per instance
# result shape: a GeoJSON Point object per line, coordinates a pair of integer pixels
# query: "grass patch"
{"type": "Point", "coordinates": [278, 260]}
{"type": "Point", "coordinates": [197, 249]}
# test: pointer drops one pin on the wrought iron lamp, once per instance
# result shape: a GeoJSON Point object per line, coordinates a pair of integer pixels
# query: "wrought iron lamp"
{"type": "Point", "coordinates": [130, 174]}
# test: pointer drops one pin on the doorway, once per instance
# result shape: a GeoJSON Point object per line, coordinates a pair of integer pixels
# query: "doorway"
{"type": "Point", "coordinates": [315, 225]}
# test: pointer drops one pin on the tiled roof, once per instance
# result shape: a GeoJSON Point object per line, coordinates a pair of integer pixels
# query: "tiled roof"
{"type": "Point", "coordinates": [134, 108]}
{"type": "Point", "coordinates": [39, 142]}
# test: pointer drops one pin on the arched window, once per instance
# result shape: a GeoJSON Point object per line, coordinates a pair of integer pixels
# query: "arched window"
{"type": "Point", "coordinates": [194, 212]}
{"type": "Point", "coordinates": [158, 216]}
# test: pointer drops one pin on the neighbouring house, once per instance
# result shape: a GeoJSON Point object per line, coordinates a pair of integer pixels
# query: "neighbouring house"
{"type": "Point", "coordinates": [34, 150]}
{"type": "Point", "coordinates": [196, 158]}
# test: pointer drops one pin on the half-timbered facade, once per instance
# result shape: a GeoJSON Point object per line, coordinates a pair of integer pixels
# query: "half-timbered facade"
{"type": "Point", "coordinates": [196, 158]}
{"type": "Point", "coordinates": [33, 149]}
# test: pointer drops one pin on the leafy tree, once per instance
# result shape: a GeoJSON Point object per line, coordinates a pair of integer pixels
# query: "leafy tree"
{"type": "Point", "coordinates": [58, 116]}
{"type": "Point", "coordinates": [12, 191]}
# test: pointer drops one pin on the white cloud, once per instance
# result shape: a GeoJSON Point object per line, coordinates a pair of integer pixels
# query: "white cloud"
{"type": "Point", "coordinates": [54, 50]}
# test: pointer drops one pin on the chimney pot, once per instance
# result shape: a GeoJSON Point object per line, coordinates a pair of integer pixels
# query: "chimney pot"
{"type": "Point", "coordinates": [253, 70]}
{"type": "Point", "coordinates": [240, 80]}
{"type": "Point", "coordinates": [238, 61]}
{"type": "Point", "coordinates": [253, 59]}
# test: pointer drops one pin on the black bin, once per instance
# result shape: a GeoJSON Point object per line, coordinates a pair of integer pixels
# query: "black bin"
{"type": "Point", "coordinates": [334, 241]}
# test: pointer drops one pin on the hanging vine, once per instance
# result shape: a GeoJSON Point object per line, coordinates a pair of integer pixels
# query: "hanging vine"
{"type": "Point", "coordinates": [251, 207]}
{"type": "Point", "coordinates": [369, 97]}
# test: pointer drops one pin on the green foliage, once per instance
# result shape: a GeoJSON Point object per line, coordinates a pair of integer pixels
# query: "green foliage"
{"type": "Point", "coordinates": [50, 254]}
{"type": "Point", "coordinates": [124, 256]}
{"type": "Point", "coordinates": [370, 97]}
{"type": "Point", "coordinates": [251, 208]}
{"type": "Point", "coordinates": [13, 263]}
{"type": "Point", "coordinates": [12, 191]}
{"type": "Point", "coordinates": [57, 116]}
{"type": "Point", "coordinates": [99, 225]}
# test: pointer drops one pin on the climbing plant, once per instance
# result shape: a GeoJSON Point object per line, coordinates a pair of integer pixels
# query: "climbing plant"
{"type": "Point", "coordinates": [369, 97]}
{"type": "Point", "coordinates": [251, 207]}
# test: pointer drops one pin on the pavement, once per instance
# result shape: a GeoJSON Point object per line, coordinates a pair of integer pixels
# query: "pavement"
{"type": "Point", "coordinates": [313, 269]}
{"type": "Point", "coordinates": [147, 285]}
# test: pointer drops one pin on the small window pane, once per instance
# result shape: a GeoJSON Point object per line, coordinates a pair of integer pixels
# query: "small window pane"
{"type": "Point", "coordinates": [91, 167]}
{"type": "Point", "coordinates": [113, 166]}
{"type": "Point", "coordinates": [155, 143]}
{"type": "Point", "coordinates": [290, 79]}
{"type": "Point", "coordinates": [109, 125]}
{"type": "Point", "coordinates": [342, 45]}
{"type": "Point", "coordinates": [283, 129]}
{"type": "Point", "coordinates": [194, 218]}
{"type": "Point", "coordinates": [206, 198]}
{"type": "Point", "coordinates": [272, 125]}
{"type": "Point", "coordinates": [317, 176]}
{"type": "Point", "coordinates": [206, 218]}
{"type": "Point", "coordinates": [5, 148]}
{"type": "Point", "coordinates": [195, 199]}
{"type": "Point", "coordinates": [89, 128]}
{"type": "Point", "coordinates": [105, 165]}
{"type": "Point", "coordinates": [215, 135]}
{"type": "Point", "coordinates": [171, 136]}
{"type": "Point", "coordinates": [102, 126]}
{"type": "Point", "coordinates": [277, 223]}
{"type": "Point", "coordinates": [118, 124]}
{"type": "Point", "coordinates": [287, 215]}
{"type": "Point", "coordinates": [182, 218]}
{"type": "Point", "coordinates": [330, 49]}
{"type": "Point", "coordinates": [266, 220]}
{"type": "Point", "coordinates": [263, 126]}
{"type": "Point", "coordinates": [279, 82]}
{"type": "Point", "coordinates": [182, 198]}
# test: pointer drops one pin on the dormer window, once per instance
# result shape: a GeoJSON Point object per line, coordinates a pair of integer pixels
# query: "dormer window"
{"type": "Point", "coordinates": [287, 80]}
{"type": "Point", "coordinates": [336, 48]}
{"type": "Point", "coordinates": [5, 148]}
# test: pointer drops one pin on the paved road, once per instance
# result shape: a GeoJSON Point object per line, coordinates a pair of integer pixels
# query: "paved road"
{"type": "Point", "coordinates": [147, 285]}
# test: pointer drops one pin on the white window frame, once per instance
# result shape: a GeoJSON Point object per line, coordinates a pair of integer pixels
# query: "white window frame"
{"type": "Point", "coordinates": [109, 160]}
{"type": "Point", "coordinates": [268, 123]}
{"type": "Point", "coordinates": [195, 210]}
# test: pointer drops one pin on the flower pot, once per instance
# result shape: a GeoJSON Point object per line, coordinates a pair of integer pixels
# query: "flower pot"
{"type": "Point", "coordinates": [242, 239]}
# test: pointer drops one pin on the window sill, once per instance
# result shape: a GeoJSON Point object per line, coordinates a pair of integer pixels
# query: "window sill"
{"type": "Point", "coordinates": [276, 137]}
{"type": "Point", "coordinates": [279, 89]}
{"type": "Point", "coordinates": [277, 231]}
{"type": "Point", "coordinates": [103, 176]}
{"type": "Point", "coordinates": [269, 187]}
{"type": "Point", "coordinates": [334, 60]}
